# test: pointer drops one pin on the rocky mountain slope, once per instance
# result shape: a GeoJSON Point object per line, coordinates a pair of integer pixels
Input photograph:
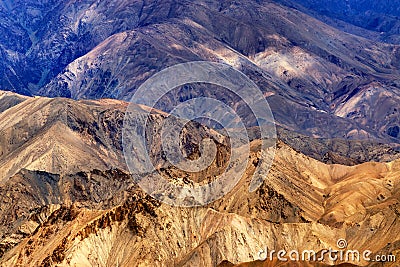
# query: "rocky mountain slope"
{"type": "Point", "coordinates": [53, 215]}
{"type": "Point", "coordinates": [371, 19]}
{"type": "Point", "coordinates": [67, 197]}
{"type": "Point", "coordinates": [299, 206]}
{"type": "Point", "coordinates": [31, 135]}
{"type": "Point", "coordinates": [311, 72]}
{"type": "Point", "coordinates": [91, 137]}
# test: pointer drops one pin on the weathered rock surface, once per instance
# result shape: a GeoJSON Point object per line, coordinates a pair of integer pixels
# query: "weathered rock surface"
{"type": "Point", "coordinates": [303, 204]}
{"type": "Point", "coordinates": [310, 72]}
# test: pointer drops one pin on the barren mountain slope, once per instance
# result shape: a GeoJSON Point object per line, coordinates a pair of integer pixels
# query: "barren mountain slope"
{"type": "Point", "coordinates": [8, 100]}
{"type": "Point", "coordinates": [78, 205]}
{"type": "Point", "coordinates": [67, 198]}
{"type": "Point", "coordinates": [299, 206]}
{"type": "Point", "coordinates": [59, 135]}
{"type": "Point", "coordinates": [375, 20]}
{"type": "Point", "coordinates": [311, 72]}
{"type": "Point", "coordinates": [65, 136]}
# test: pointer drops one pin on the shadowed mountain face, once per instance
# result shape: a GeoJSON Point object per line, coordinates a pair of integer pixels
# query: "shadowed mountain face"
{"type": "Point", "coordinates": [379, 20]}
{"type": "Point", "coordinates": [310, 72]}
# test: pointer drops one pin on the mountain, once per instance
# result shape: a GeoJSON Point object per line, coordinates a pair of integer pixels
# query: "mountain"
{"type": "Point", "coordinates": [31, 139]}
{"type": "Point", "coordinates": [311, 72]}
{"type": "Point", "coordinates": [68, 70]}
{"type": "Point", "coordinates": [91, 137]}
{"type": "Point", "coordinates": [371, 19]}
{"type": "Point", "coordinates": [300, 206]}
{"type": "Point", "coordinates": [82, 206]}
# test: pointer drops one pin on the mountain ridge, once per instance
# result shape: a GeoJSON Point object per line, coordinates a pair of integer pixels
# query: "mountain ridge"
{"type": "Point", "coordinates": [67, 197]}
{"type": "Point", "coordinates": [303, 64]}
{"type": "Point", "coordinates": [126, 208]}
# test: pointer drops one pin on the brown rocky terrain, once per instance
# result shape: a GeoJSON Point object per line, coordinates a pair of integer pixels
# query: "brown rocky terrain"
{"type": "Point", "coordinates": [31, 139]}
{"type": "Point", "coordinates": [299, 206]}
{"type": "Point", "coordinates": [98, 216]}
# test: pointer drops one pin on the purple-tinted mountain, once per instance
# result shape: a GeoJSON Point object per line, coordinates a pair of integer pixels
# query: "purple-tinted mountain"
{"type": "Point", "coordinates": [379, 20]}
{"type": "Point", "coordinates": [319, 81]}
